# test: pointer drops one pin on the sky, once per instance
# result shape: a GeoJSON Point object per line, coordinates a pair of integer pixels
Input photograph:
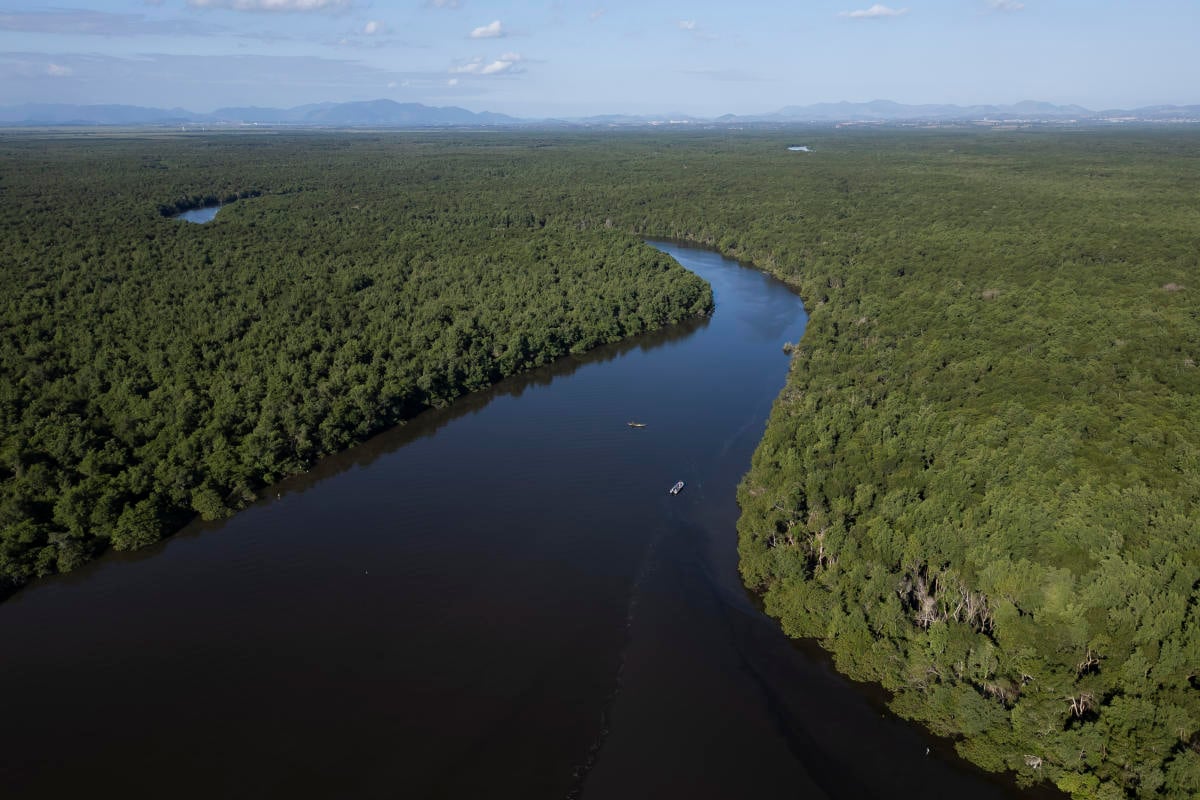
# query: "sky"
{"type": "Point", "coordinates": [557, 58]}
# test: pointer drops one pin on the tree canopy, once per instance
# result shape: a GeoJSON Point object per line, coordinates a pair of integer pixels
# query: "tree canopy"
{"type": "Point", "coordinates": [155, 369]}
{"type": "Point", "coordinates": [979, 487]}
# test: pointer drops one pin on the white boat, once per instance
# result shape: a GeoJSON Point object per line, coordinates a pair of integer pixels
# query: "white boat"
{"type": "Point", "coordinates": [677, 488]}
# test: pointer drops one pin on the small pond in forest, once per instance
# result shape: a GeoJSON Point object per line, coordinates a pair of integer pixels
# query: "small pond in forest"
{"type": "Point", "coordinates": [200, 215]}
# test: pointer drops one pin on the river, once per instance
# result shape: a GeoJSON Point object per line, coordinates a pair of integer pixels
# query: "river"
{"type": "Point", "coordinates": [499, 599]}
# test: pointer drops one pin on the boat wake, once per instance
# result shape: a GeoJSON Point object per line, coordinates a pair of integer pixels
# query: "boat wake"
{"type": "Point", "coordinates": [580, 773]}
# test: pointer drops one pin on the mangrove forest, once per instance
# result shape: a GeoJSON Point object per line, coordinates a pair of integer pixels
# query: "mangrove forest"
{"type": "Point", "coordinates": [980, 488]}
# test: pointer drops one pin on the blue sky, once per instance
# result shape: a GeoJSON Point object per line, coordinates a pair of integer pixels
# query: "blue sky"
{"type": "Point", "coordinates": [576, 57]}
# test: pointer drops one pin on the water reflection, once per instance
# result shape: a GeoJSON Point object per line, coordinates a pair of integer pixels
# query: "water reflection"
{"type": "Point", "coordinates": [497, 599]}
{"type": "Point", "coordinates": [199, 215]}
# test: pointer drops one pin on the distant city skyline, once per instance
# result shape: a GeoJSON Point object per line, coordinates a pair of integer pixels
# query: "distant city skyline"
{"type": "Point", "coordinates": [573, 58]}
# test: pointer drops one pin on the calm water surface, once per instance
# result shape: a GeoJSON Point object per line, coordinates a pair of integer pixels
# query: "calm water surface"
{"type": "Point", "coordinates": [496, 600]}
{"type": "Point", "coordinates": [200, 215]}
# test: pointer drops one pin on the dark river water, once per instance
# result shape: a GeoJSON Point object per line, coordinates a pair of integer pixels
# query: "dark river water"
{"type": "Point", "coordinates": [497, 600]}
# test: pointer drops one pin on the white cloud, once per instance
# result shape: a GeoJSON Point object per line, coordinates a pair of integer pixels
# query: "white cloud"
{"type": "Point", "coordinates": [472, 66]}
{"type": "Point", "coordinates": [492, 30]}
{"type": "Point", "coordinates": [597, 14]}
{"type": "Point", "coordinates": [478, 66]}
{"type": "Point", "coordinates": [452, 82]}
{"type": "Point", "coordinates": [272, 5]}
{"type": "Point", "coordinates": [875, 11]}
{"type": "Point", "coordinates": [1005, 5]}
{"type": "Point", "coordinates": [373, 27]}
{"type": "Point", "coordinates": [443, 3]}
{"type": "Point", "coordinates": [58, 70]}
{"type": "Point", "coordinates": [695, 29]}
{"type": "Point", "coordinates": [210, 81]}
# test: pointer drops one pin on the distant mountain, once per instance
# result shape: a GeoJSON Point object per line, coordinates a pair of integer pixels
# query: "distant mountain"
{"type": "Point", "coordinates": [611, 120]}
{"type": "Point", "coordinates": [381, 113]}
{"type": "Point", "coordinates": [62, 114]}
{"type": "Point", "coordinates": [370, 112]}
{"type": "Point", "coordinates": [388, 113]}
{"type": "Point", "coordinates": [888, 111]}
{"type": "Point", "coordinates": [268, 116]}
{"type": "Point", "coordinates": [1168, 113]}
{"type": "Point", "coordinates": [1032, 108]}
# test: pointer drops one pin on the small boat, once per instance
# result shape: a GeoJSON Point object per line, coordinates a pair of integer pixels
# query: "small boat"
{"type": "Point", "coordinates": [636, 424]}
{"type": "Point", "coordinates": [677, 488]}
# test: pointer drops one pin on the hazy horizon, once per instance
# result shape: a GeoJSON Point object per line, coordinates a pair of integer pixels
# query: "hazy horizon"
{"type": "Point", "coordinates": [565, 58]}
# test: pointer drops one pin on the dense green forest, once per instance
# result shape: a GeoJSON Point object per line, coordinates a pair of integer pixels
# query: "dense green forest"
{"type": "Point", "coordinates": [979, 487]}
{"type": "Point", "coordinates": [153, 369]}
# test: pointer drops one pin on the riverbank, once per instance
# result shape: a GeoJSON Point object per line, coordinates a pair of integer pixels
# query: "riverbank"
{"type": "Point", "coordinates": [975, 488]}
{"type": "Point", "coordinates": [544, 638]}
{"type": "Point", "coordinates": [161, 370]}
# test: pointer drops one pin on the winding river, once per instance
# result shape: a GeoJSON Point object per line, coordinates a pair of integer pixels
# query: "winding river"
{"type": "Point", "coordinates": [499, 599]}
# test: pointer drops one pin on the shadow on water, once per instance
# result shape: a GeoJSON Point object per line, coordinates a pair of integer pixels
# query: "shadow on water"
{"type": "Point", "coordinates": [704, 673]}
{"type": "Point", "coordinates": [495, 599]}
{"type": "Point", "coordinates": [424, 425]}
{"type": "Point", "coordinates": [430, 421]}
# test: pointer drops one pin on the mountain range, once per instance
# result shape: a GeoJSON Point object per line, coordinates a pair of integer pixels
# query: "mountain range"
{"type": "Point", "coordinates": [388, 113]}
{"type": "Point", "coordinates": [887, 110]}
